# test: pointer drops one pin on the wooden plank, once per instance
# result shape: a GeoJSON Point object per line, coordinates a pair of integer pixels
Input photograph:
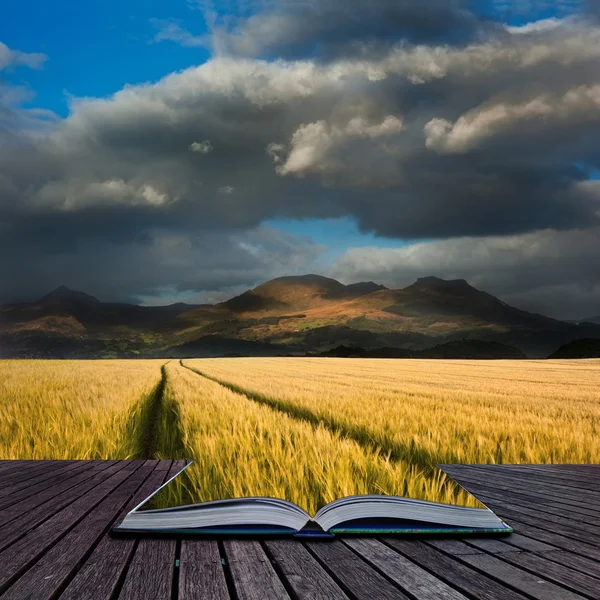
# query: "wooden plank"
{"type": "Point", "coordinates": [53, 569]}
{"type": "Point", "coordinates": [452, 571]}
{"type": "Point", "coordinates": [580, 563]}
{"type": "Point", "coordinates": [521, 580]}
{"type": "Point", "coordinates": [543, 509]}
{"type": "Point", "coordinates": [546, 502]}
{"type": "Point", "coordinates": [304, 574]}
{"type": "Point", "coordinates": [538, 497]}
{"type": "Point", "coordinates": [525, 482]}
{"type": "Point", "coordinates": [526, 543]}
{"type": "Point", "coordinates": [11, 492]}
{"type": "Point", "coordinates": [24, 476]}
{"type": "Point", "coordinates": [50, 483]}
{"type": "Point", "coordinates": [570, 527]}
{"type": "Point", "coordinates": [252, 572]}
{"type": "Point", "coordinates": [100, 576]}
{"type": "Point", "coordinates": [16, 559]}
{"type": "Point", "coordinates": [541, 492]}
{"type": "Point", "coordinates": [516, 476]}
{"type": "Point", "coordinates": [558, 540]}
{"type": "Point", "coordinates": [586, 476]}
{"type": "Point", "coordinates": [453, 547]}
{"type": "Point", "coordinates": [34, 511]}
{"type": "Point", "coordinates": [410, 577]}
{"type": "Point", "coordinates": [355, 576]}
{"type": "Point", "coordinates": [151, 571]}
{"type": "Point", "coordinates": [12, 466]}
{"type": "Point", "coordinates": [553, 571]}
{"type": "Point", "coordinates": [491, 545]}
{"type": "Point", "coordinates": [201, 575]}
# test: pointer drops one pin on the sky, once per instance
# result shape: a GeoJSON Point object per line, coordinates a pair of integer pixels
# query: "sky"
{"type": "Point", "coordinates": [188, 150]}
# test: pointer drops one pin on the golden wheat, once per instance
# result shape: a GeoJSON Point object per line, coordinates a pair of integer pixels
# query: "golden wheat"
{"type": "Point", "coordinates": [427, 411]}
{"type": "Point", "coordinates": [72, 409]}
{"type": "Point", "coordinates": [244, 449]}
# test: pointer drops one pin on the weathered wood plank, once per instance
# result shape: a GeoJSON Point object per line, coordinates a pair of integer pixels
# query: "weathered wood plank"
{"type": "Point", "coordinates": [53, 570]}
{"type": "Point", "coordinates": [154, 557]}
{"type": "Point", "coordinates": [542, 492]}
{"type": "Point", "coordinates": [100, 576]}
{"type": "Point", "coordinates": [452, 571]}
{"type": "Point", "coordinates": [12, 492]}
{"type": "Point", "coordinates": [410, 577]}
{"type": "Point", "coordinates": [453, 547]}
{"type": "Point", "coordinates": [25, 476]}
{"type": "Point", "coordinates": [570, 527]}
{"type": "Point", "coordinates": [355, 576]}
{"type": "Point", "coordinates": [523, 581]}
{"type": "Point", "coordinates": [254, 577]}
{"type": "Point", "coordinates": [556, 572]}
{"type": "Point", "coordinates": [556, 539]}
{"type": "Point", "coordinates": [18, 557]}
{"type": "Point", "coordinates": [33, 514]}
{"type": "Point", "coordinates": [150, 573]}
{"type": "Point", "coordinates": [491, 545]}
{"type": "Point", "coordinates": [303, 573]}
{"type": "Point", "coordinates": [528, 543]}
{"type": "Point", "coordinates": [573, 561]}
{"type": "Point", "coordinates": [201, 575]}
{"type": "Point", "coordinates": [13, 466]}
{"type": "Point", "coordinates": [34, 491]}
{"type": "Point", "coordinates": [525, 482]}
{"type": "Point", "coordinates": [536, 497]}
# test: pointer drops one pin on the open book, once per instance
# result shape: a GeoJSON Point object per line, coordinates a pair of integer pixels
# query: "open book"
{"type": "Point", "coordinates": [369, 514]}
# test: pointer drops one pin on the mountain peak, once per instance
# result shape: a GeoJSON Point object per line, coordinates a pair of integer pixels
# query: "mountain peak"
{"type": "Point", "coordinates": [65, 295]}
{"type": "Point", "coordinates": [442, 285]}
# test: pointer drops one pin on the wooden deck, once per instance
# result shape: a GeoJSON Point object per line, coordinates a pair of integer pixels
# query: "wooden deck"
{"type": "Point", "coordinates": [55, 543]}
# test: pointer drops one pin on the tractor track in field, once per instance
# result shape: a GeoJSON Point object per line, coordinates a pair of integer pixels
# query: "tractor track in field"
{"type": "Point", "coordinates": [160, 435]}
{"type": "Point", "coordinates": [407, 452]}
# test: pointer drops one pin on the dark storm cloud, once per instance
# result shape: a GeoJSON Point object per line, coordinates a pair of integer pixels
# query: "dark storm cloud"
{"type": "Point", "coordinates": [550, 272]}
{"type": "Point", "coordinates": [487, 138]}
{"type": "Point", "coordinates": [329, 28]}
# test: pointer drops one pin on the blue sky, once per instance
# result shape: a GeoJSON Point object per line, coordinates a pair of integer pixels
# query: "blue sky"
{"type": "Point", "coordinates": [94, 47]}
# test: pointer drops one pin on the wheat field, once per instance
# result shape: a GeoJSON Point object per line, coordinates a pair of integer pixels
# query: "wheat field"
{"type": "Point", "coordinates": [80, 409]}
{"type": "Point", "coordinates": [306, 429]}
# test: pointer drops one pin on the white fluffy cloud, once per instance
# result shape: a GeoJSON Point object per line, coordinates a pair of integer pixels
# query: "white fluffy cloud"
{"type": "Point", "coordinates": [574, 108]}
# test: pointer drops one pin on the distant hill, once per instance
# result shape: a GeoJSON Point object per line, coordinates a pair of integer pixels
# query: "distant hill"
{"type": "Point", "coordinates": [297, 293]}
{"type": "Point", "coordinates": [288, 315]}
{"type": "Point", "coordinates": [592, 320]}
{"type": "Point", "coordinates": [64, 297]}
{"type": "Point", "coordinates": [586, 348]}
{"type": "Point", "coordinates": [459, 349]}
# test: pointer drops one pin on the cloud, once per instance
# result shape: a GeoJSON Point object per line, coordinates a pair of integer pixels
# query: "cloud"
{"type": "Point", "coordinates": [169, 30]}
{"type": "Point", "coordinates": [577, 107]}
{"type": "Point", "coordinates": [16, 58]}
{"type": "Point", "coordinates": [207, 266]}
{"type": "Point", "coordinates": [318, 147]}
{"type": "Point", "coordinates": [551, 272]}
{"type": "Point", "coordinates": [203, 147]}
{"type": "Point", "coordinates": [331, 28]}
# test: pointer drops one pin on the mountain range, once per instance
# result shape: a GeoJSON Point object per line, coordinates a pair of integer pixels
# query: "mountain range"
{"type": "Point", "coordinates": [298, 315]}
